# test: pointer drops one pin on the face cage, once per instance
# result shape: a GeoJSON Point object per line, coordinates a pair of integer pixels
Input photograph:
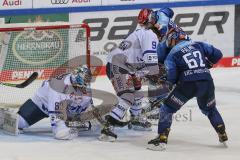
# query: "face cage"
{"type": "Point", "coordinates": [153, 17]}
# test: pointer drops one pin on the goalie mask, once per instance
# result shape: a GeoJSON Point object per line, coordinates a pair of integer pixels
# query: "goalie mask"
{"type": "Point", "coordinates": [81, 77]}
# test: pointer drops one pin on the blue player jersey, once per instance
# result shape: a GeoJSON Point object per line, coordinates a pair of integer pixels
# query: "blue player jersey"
{"type": "Point", "coordinates": [188, 61]}
{"type": "Point", "coordinates": [162, 52]}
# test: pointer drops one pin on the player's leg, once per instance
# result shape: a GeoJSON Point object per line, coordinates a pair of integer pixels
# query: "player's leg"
{"type": "Point", "coordinates": [118, 117]}
{"type": "Point", "coordinates": [33, 110]}
{"type": "Point", "coordinates": [29, 114]}
{"type": "Point", "coordinates": [176, 99]}
{"type": "Point", "coordinates": [138, 119]}
{"type": "Point", "coordinates": [120, 114]}
{"type": "Point", "coordinates": [207, 104]}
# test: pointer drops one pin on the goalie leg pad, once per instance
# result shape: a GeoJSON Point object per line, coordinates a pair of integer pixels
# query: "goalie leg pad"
{"type": "Point", "coordinates": [9, 121]}
{"type": "Point", "coordinates": [10, 124]}
{"type": "Point", "coordinates": [1, 117]}
{"type": "Point", "coordinates": [121, 111]}
{"type": "Point", "coordinates": [31, 113]}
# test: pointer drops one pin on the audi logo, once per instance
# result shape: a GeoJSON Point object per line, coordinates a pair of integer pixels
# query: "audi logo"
{"type": "Point", "coordinates": [59, 1]}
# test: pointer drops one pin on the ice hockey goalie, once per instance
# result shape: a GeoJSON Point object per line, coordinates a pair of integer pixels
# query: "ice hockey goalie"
{"type": "Point", "coordinates": [47, 101]}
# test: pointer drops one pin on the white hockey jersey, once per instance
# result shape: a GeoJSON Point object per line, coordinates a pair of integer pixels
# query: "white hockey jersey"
{"type": "Point", "coordinates": [137, 50]}
{"type": "Point", "coordinates": [55, 90]}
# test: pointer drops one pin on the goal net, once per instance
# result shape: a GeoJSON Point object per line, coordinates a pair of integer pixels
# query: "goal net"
{"type": "Point", "coordinates": [47, 48]}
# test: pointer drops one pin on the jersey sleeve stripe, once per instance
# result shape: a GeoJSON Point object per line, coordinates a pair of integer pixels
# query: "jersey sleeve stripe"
{"type": "Point", "coordinates": [149, 51]}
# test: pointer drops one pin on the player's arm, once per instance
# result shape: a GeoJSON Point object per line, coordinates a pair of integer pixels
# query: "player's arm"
{"type": "Point", "coordinates": [213, 55]}
{"type": "Point", "coordinates": [149, 44]}
{"type": "Point", "coordinates": [171, 68]}
{"type": "Point", "coordinates": [162, 51]}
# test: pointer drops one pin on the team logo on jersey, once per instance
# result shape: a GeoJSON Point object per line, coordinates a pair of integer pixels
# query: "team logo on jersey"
{"type": "Point", "coordinates": [152, 58]}
{"type": "Point", "coordinates": [37, 47]}
{"type": "Point", "coordinates": [59, 1]}
{"type": "Point", "coordinates": [125, 45]}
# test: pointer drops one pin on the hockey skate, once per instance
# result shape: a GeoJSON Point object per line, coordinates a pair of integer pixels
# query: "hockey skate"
{"type": "Point", "coordinates": [222, 135]}
{"type": "Point", "coordinates": [160, 142]}
{"type": "Point", "coordinates": [140, 123]}
{"type": "Point", "coordinates": [107, 134]}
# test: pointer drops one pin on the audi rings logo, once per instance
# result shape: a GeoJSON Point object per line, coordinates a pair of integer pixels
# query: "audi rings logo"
{"type": "Point", "coordinates": [59, 1]}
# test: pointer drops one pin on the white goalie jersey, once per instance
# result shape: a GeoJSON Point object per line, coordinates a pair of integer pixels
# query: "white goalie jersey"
{"type": "Point", "coordinates": [61, 98]}
{"type": "Point", "coordinates": [136, 51]}
{"type": "Point", "coordinates": [56, 90]}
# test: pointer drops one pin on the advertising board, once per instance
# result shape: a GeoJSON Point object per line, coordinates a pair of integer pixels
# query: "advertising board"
{"type": "Point", "coordinates": [64, 3]}
{"type": "Point", "coordinates": [15, 4]}
{"type": "Point", "coordinates": [212, 24]}
{"type": "Point", "coordinates": [124, 2]}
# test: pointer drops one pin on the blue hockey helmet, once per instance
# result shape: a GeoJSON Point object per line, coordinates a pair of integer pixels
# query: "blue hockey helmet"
{"type": "Point", "coordinates": [156, 15]}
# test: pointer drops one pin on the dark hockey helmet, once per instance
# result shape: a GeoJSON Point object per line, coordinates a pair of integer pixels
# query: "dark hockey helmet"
{"type": "Point", "coordinates": [174, 36]}
{"type": "Point", "coordinates": [144, 15]}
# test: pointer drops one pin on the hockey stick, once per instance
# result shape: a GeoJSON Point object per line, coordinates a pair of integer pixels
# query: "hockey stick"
{"type": "Point", "coordinates": [24, 84]}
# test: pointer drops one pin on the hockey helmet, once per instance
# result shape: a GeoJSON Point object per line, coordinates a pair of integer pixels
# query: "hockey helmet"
{"type": "Point", "coordinates": [155, 16]}
{"type": "Point", "coordinates": [144, 15]}
{"type": "Point", "coordinates": [174, 36]}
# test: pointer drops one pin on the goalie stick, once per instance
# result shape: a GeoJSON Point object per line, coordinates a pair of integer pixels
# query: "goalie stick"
{"type": "Point", "coordinates": [24, 84]}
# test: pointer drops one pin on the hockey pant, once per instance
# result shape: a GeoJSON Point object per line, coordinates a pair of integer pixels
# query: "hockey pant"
{"type": "Point", "coordinates": [203, 90]}
{"type": "Point", "coordinates": [126, 87]}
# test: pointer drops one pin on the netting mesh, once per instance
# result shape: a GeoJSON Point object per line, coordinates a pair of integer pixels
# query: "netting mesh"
{"type": "Point", "coordinates": [48, 51]}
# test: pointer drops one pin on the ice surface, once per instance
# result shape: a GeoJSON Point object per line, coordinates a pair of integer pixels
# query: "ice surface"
{"type": "Point", "coordinates": [191, 137]}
